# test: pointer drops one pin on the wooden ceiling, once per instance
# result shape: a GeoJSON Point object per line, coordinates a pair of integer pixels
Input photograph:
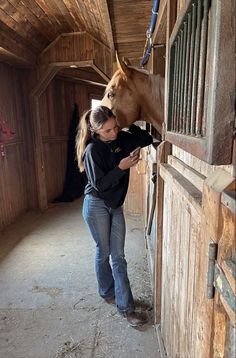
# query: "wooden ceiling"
{"type": "Point", "coordinates": [28, 27]}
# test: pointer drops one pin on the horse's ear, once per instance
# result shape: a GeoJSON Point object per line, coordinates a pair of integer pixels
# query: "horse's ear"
{"type": "Point", "coordinates": [122, 66]}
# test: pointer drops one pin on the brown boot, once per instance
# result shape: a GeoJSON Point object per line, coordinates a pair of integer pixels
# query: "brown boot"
{"type": "Point", "coordinates": [110, 300]}
{"type": "Point", "coordinates": [136, 319]}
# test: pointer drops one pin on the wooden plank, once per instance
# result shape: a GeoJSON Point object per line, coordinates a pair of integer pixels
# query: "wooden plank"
{"type": "Point", "coordinates": [14, 178]}
{"type": "Point", "coordinates": [195, 146]}
{"type": "Point", "coordinates": [167, 281]}
{"type": "Point", "coordinates": [220, 103]}
{"type": "Point", "coordinates": [189, 173]}
{"type": "Point", "coordinates": [163, 151]}
{"type": "Point", "coordinates": [159, 34]}
{"type": "Point", "coordinates": [65, 12]}
{"type": "Point", "coordinates": [229, 268]}
{"type": "Point", "coordinates": [24, 8]}
{"type": "Point", "coordinates": [44, 81]}
{"type": "Point", "coordinates": [106, 20]}
{"type": "Point", "coordinates": [42, 20]}
{"type": "Point", "coordinates": [51, 11]}
{"type": "Point", "coordinates": [189, 191]}
{"type": "Point", "coordinates": [12, 19]}
{"type": "Point", "coordinates": [192, 287]}
{"type": "Point", "coordinates": [200, 166]}
{"type": "Point", "coordinates": [214, 186]}
{"type": "Point", "coordinates": [39, 157]}
{"type": "Point", "coordinates": [74, 13]}
{"type": "Point", "coordinates": [20, 51]}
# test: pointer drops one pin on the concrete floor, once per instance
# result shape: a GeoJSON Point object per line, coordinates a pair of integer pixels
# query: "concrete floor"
{"type": "Point", "coordinates": [49, 306]}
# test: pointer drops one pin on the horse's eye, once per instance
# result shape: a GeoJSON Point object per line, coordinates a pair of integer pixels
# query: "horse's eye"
{"type": "Point", "coordinates": [111, 95]}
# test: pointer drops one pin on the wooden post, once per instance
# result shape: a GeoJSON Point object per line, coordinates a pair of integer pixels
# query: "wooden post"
{"type": "Point", "coordinates": [163, 151]}
{"type": "Point", "coordinates": [39, 159]}
{"type": "Point", "coordinates": [171, 18]}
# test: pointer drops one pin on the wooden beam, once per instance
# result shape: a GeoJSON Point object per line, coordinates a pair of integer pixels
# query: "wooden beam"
{"type": "Point", "coordinates": [102, 5]}
{"type": "Point", "coordinates": [13, 47]}
{"type": "Point", "coordinates": [44, 81]}
{"type": "Point", "coordinates": [159, 34]}
{"type": "Point", "coordinates": [100, 72]}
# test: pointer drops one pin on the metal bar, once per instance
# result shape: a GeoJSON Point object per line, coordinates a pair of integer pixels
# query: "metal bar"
{"type": "Point", "coordinates": [182, 119]}
{"type": "Point", "coordinates": [196, 68]}
{"type": "Point", "coordinates": [179, 80]}
{"type": "Point", "coordinates": [202, 69]}
{"type": "Point", "coordinates": [187, 70]}
{"type": "Point", "coordinates": [191, 62]}
{"type": "Point", "coordinates": [212, 252]}
{"type": "Point", "coordinates": [174, 89]}
{"type": "Point", "coordinates": [176, 85]}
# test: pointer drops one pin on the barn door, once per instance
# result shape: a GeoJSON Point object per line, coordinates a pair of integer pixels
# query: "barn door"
{"type": "Point", "coordinates": [197, 218]}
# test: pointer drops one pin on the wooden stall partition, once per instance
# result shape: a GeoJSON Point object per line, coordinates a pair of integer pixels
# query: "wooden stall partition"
{"type": "Point", "coordinates": [17, 179]}
{"type": "Point", "coordinates": [181, 235]}
{"type": "Point", "coordinates": [192, 323]}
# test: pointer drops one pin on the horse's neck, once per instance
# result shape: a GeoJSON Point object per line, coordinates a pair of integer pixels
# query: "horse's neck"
{"type": "Point", "coordinates": [153, 105]}
{"type": "Point", "coordinates": [157, 89]}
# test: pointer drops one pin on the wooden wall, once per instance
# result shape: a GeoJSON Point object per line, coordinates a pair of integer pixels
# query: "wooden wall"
{"type": "Point", "coordinates": [17, 180]}
{"type": "Point", "coordinates": [198, 211]}
{"type": "Point", "coordinates": [195, 209]}
{"type": "Point", "coordinates": [56, 109]}
{"type": "Point", "coordinates": [18, 189]}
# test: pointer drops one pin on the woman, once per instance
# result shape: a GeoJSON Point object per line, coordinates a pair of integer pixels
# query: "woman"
{"type": "Point", "coordinates": [103, 150]}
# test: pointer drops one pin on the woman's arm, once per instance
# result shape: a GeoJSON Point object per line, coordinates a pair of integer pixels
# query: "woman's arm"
{"type": "Point", "coordinates": [138, 137]}
{"type": "Point", "coordinates": [99, 179]}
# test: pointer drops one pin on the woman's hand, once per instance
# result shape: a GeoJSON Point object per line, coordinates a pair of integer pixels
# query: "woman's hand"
{"type": "Point", "coordinates": [128, 162]}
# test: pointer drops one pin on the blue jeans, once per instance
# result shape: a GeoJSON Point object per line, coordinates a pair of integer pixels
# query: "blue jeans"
{"type": "Point", "coordinates": [107, 227]}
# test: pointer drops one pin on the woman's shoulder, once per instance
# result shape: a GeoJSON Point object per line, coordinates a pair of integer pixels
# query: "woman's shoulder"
{"type": "Point", "coordinates": [95, 146]}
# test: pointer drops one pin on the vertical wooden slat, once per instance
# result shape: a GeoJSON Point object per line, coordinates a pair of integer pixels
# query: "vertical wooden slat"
{"type": "Point", "coordinates": [163, 151]}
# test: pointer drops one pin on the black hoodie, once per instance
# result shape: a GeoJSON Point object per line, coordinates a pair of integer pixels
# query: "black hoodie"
{"type": "Point", "coordinates": [101, 159]}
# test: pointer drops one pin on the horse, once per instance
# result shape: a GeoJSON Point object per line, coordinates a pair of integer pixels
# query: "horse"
{"type": "Point", "coordinates": [134, 94]}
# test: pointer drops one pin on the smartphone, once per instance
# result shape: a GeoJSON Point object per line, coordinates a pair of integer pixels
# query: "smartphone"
{"type": "Point", "coordinates": [136, 151]}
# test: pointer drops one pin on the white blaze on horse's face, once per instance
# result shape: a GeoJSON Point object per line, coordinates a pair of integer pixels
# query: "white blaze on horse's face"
{"type": "Point", "coordinates": [121, 97]}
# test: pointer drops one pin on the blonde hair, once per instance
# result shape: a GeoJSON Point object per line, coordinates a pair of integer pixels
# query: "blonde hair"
{"type": "Point", "coordinates": [90, 121]}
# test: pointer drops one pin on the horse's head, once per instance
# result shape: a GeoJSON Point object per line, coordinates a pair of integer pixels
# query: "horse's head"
{"type": "Point", "coordinates": [121, 95]}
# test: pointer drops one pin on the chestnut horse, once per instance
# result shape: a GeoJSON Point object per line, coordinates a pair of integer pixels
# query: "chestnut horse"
{"type": "Point", "coordinates": [135, 95]}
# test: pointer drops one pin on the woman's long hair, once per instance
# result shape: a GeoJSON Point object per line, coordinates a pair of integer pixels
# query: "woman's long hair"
{"type": "Point", "coordinates": [91, 121]}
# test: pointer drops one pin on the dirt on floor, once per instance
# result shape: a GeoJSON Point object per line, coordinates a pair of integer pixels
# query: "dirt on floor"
{"type": "Point", "coordinates": [49, 305]}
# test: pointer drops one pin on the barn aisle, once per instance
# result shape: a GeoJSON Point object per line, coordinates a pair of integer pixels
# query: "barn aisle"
{"type": "Point", "coordinates": [49, 306]}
